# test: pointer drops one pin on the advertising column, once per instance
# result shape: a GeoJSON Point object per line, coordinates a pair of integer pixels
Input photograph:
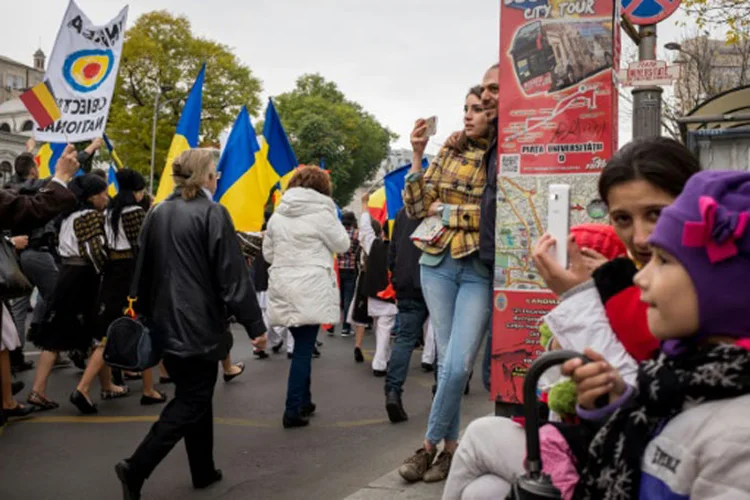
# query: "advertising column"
{"type": "Point", "coordinates": [557, 122]}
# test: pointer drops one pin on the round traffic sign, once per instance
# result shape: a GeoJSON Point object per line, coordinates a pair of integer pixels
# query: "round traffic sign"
{"type": "Point", "coordinates": [643, 12]}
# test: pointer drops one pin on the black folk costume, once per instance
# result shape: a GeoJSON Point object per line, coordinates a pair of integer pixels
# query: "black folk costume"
{"type": "Point", "coordinates": [69, 322]}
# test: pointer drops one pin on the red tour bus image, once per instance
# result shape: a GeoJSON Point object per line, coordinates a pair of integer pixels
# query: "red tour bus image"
{"type": "Point", "coordinates": [552, 55]}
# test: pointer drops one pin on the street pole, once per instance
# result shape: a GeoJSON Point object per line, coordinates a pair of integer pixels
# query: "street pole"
{"type": "Point", "coordinates": [153, 143]}
{"type": "Point", "coordinates": [647, 100]}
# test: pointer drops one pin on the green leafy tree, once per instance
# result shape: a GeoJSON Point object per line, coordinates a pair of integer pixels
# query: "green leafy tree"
{"type": "Point", "coordinates": [323, 125]}
{"type": "Point", "coordinates": [162, 54]}
{"type": "Point", "coordinates": [732, 15]}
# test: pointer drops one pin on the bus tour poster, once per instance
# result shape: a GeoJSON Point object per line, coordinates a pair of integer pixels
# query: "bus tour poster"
{"type": "Point", "coordinates": [557, 124]}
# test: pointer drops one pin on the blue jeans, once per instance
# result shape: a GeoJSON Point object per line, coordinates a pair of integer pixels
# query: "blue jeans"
{"type": "Point", "coordinates": [348, 283]}
{"type": "Point", "coordinates": [412, 314]}
{"type": "Point", "coordinates": [298, 386]}
{"type": "Point", "coordinates": [458, 296]}
{"type": "Point", "coordinates": [41, 270]}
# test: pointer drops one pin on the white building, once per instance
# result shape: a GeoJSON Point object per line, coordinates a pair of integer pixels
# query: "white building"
{"type": "Point", "coordinates": [16, 128]}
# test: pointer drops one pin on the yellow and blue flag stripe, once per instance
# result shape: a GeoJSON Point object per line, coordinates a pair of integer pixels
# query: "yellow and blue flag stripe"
{"type": "Point", "coordinates": [246, 176]}
{"type": "Point", "coordinates": [186, 136]}
{"type": "Point", "coordinates": [276, 147]}
{"type": "Point", "coordinates": [112, 186]}
{"type": "Point", "coordinates": [47, 157]}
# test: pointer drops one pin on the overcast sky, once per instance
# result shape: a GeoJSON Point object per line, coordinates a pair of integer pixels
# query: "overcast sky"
{"type": "Point", "coordinates": [401, 59]}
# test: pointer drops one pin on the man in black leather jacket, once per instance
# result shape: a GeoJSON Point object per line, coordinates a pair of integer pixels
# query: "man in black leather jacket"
{"type": "Point", "coordinates": [194, 277]}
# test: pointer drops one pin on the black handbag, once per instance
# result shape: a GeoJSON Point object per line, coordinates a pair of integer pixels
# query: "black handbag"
{"type": "Point", "coordinates": [13, 283]}
{"type": "Point", "coordinates": [133, 343]}
{"type": "Point", "coordinates": [535, 484]}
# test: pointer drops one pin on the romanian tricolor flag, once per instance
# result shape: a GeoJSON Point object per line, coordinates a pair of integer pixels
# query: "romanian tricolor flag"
{"type": "Point", "coordinates": [41, 103]}
{"type": "Point", "coordinates": [112, 186]}
{"type": "Point", "coordinates": [186, 136]}
{"type": "Point", "coordinates": [394, 183]}
{"type": "Point", "coordinates": [47, 157]}
{"type": "Point", "coordinates": [377, 207]}
{"type": "Point", "coordinates": [246, 176]}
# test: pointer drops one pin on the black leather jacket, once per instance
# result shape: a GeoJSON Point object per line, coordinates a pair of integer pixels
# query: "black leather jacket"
{"type": "Point", "coordinates": [194, 277]}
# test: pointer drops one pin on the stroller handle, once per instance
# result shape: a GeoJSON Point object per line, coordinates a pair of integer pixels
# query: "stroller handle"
{"type": "Point", "coordinates": [531, 413]}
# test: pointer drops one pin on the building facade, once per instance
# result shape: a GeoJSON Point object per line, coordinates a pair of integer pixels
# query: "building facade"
{"type": "Point", "coordinates": [16, 124]}
{"type": "Point", "coordinates": [708, 68]}
{"type": "Point", "coordinates": [16, 77]}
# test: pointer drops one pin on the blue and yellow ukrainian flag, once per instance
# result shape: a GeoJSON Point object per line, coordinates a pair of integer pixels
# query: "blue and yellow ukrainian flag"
{"type": "Point", "coordinates": [112, 186]}
{"type": "Point", "coordinates": [246, 176]}
{"type": "Point", "coordinates": [276, 147]}
{"type": "Point", "coordinates": [186, 136]}
{"type": "Point", "coordinates": [47, 157]}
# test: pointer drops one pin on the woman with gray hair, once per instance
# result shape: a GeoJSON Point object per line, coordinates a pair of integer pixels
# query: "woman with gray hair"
{"type": "Point", "coordinates": [193, 278]}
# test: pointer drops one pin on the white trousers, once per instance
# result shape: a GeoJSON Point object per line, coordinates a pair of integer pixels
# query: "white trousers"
{"type": "Point", "coordinates": [382, 326]}
{"type": "Point", "coordinates": [9, 338]}
{"type": "Point", "coordinates": [489, 455]}
{"type": "Point", "coordinates": [276, 334]}
{"type": "Point", "coordinates": [428, 353]}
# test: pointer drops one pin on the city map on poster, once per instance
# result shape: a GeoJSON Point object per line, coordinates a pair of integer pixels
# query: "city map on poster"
{"type": "Point", "coordinates": [523, 202]}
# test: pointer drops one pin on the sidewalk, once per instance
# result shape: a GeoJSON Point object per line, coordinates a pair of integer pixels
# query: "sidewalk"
{"type": "Point", "coordinates": [392, 487]}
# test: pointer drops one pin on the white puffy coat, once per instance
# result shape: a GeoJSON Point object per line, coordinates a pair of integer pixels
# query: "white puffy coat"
{"type": "Point", "coordinates": [301, 239]}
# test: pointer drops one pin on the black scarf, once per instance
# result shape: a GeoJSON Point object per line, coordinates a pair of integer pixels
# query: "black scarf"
{"type": "Point", "coordinates": [667, 386]}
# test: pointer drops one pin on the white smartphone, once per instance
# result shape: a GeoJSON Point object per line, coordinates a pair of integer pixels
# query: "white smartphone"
{"type": "Point", "coordinates": [558, 220]}
{"type": "Point", "coordinates": [431, 123]}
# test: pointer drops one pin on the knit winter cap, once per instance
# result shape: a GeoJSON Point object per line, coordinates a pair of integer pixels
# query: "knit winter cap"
{"type": "Point", "coordinates": [85, 186]}
{"type": "Point", "coordinates": [130, 180]}
{"type": "Point", "coordinates": [601, 238]}
{"type": "Point", "coordinates": [707, 229]}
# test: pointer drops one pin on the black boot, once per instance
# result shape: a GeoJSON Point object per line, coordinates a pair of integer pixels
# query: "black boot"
{"type": "Point", "coordinates": [203, 483]}
{"type": "Point", "coordinates": [395, 408]}
{"type": "Point", "coordinates": [131, 485]}
{"type": "Point", "coordinates": [295, 421]}
{"type": "Point", "coordinates": [308, 410]}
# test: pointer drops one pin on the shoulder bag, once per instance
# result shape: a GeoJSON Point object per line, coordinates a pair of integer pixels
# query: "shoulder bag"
{"type": "Point", "coordinates": [133, 343]}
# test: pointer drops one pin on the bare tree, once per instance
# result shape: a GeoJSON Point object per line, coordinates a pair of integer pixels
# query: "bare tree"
{"type": "Point", "coordinates": [709, 67]}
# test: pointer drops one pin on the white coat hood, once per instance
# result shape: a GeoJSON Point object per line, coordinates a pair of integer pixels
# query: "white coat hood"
{"type": "Point", "coordinates": [298, 202]}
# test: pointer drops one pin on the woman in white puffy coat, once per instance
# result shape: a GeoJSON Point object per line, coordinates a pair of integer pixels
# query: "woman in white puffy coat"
{"type": "Point", "coordinates": [300, 242]}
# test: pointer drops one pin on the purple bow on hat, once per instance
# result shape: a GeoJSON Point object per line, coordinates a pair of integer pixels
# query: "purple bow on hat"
{"type": "Point", "coordinates": [718, 230]}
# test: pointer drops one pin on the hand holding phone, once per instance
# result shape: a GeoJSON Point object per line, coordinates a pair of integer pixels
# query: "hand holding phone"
{"type": "Point", "coordinates": [558, 220]}
{"type": "Point", "coordinates": [431, 124]}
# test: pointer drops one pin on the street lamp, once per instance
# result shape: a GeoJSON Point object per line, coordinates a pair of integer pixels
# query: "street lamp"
{"type": "Point", "coordinates": [163, 89]}
{"type": "Point", "coordinates": [673, 46]}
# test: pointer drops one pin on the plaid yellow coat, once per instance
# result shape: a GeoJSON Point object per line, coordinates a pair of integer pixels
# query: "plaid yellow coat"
{"type": "Point", "coordinates": [457, 180]}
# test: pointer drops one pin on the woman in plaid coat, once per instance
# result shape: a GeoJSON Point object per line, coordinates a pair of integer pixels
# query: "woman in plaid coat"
{"type": "Point", "coordinates": [454, 280]}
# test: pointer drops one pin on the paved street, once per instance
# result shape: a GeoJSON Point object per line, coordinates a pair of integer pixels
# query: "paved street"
{"type": "Point", "coordinates": [350, 449]}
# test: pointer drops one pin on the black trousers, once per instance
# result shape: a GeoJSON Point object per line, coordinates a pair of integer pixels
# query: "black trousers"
{"type": "Point", "coordinates": [189, 415]}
